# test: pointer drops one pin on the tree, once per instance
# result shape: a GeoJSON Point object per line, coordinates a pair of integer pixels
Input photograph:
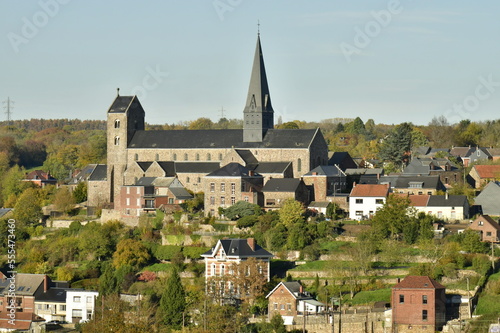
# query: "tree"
{"type": "Point", "coordinates": [201, 123]}
{"type": "Point", "coordinates": [80, 192]}
{"type": "Point", "coordinates": [241, 209]}
{"type": "Point", "coordinates": [172, 303]}
{"type": "Point", "coordinates": [27, 209]}
{"type": "Point", "coordinates": [392, 217]}
{"type": "Point", "coordinates": [278, 324]}
{"type": "Point", "coordinates": [130, 252]}
{"type": "Point", "coordinates": [397, 145]}
{"type": "Point", "coordinates": [289, 125]}
{"type": "Point", "coordinates": [291, 212]}
{"type": "Point", "coordinates": [64, 200]}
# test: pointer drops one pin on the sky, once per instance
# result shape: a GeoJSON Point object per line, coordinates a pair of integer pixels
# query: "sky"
{"type": "Point", "coordinates": [391, 61]}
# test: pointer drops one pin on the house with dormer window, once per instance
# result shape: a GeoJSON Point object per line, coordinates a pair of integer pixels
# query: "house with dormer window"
{"type": "Point", "coordinates": [236, 269]}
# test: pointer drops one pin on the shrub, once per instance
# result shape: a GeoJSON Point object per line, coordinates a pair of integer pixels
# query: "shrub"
{"type": "Point", "coordinates": [247, 221]}
{"type": "Point", "coordinates": [481, 264]}
{"type": "Point", "coordinates": [194, 252]}
{"type": "Point", "coordinates": [167, 252]}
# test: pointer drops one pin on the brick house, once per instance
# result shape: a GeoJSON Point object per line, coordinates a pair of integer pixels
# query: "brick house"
{"type": "Point", "coordinates": [230, 262]}
{"type": "Point", "coordinates": [289, 300]}
{"type": "Point", "coordinates": [365, 199]}
{"type": "Point", "coordinates": [480, 175]}
{"type": "Point", "coordinates": [277, 190]}
{"type": "Point", "coordinates": [229, 184]}
{"type": "Point", "coordinates": [487, 227]}
{"type": "Point", "coordinates": [40, 178]}
{"type": "Point", "coordinates": [418, 305]}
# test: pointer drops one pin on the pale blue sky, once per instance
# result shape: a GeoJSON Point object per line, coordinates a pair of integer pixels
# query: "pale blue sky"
{"type": "Point", "coordinates": [414, 64]}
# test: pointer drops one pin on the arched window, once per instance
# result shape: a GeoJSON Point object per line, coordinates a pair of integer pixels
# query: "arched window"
{"type": "Point", "coordinates": [299, 165]}
{"type": "Point", "coordinates": [136, 157]}
{"type": "Point", "coordinates": [117, 140]}
{"type": "Point", "coordinates": [220, 157]}
{"type": "Point", "coordinates": [175, 157]}
{"type": "Point", "coordinates": [157, 157]}
{"type": "Point", "coordinates": [209, 157]}
{"type": "Point", "coordinates": [197, 156]}
{"type": "Point", "coordinates": [117, 123]}
{"type": "Point", "coordinates": [185, 157]}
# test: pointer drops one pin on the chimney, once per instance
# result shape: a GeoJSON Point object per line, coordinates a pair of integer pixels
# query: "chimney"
{"type": "Point", "coordinates": [315, 173]}
{"type": "Point", "coordinates": [250, 173]}
{"type": "Point", "coordinates": [46, 283]}
{"type": "Point", "coordinates": [251, 243]}
{"type": "Point", "coordinates": [446, 196]}
{"type": "Point", "coordinates": [354, 184]}
{"type": "Point", "coordinates": [301, 289]}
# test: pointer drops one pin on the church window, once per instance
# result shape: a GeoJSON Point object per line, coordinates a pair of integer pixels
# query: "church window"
{"type": "Point", "coordinates": [117, 123]}
{"type": "Point", "coordinates": [136, 157]}
{"type": "Point", "coordinates": [197, 156]}
{"type": "Point", "coordinates": [175, 157]}
{"type": "Point", "coordinates": [299, 165]}
{"type": "Point", "coordinates": [220, 157]}
{"type": "Point", "coordinates": [209, 157]}
{"type": "Point", "coordinates": [185, 157]}
{"type": "Point", "coordinates": [187, 180]}
{"type": "Point", "coordinates": [117, 140]}
{"type": "Point", "coordinates": [157, 157]}
{"type": "Point", "coordinates": [198, 180]}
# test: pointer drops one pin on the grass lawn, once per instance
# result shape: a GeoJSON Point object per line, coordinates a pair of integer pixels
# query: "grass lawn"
{"type": "Point", "coordinates": [312, 266]}
{"type": "Point", "coordinates": [368, 297]}
{"type": "Point", "coordinates": [334, 246]}
{"type": "Point", "coordinates": [488, 304]}
{"type": "Point", "coordinates": [163, 267]}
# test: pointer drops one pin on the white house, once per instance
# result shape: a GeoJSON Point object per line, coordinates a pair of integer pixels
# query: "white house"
{"type": "Point", "coordinates": [445, 207]}
{"type": "Point", "coordinates": [80, 305]}
{"type": "Point", "coordinates": [365, 199]}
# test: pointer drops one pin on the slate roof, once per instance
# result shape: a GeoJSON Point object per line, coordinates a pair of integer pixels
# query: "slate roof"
{"type": "Point", "coordinates": [282, 185]}
{"type": "Point", "coordinates": [294, 288]}
{"type": "Point", "coordinates": [460, 151]}
{"type": "Point", "coordinates": [168, 167]}
{"type": "Point", "coordinates": [238, 247]}
{"type": "Point", "coordinates": [326, 170]}
{"type": "Point", "coordinates": [84, 174]}
{"type": "Point", "coordinates": [216, 139]}
{"type": "Point", "coordinates": [99, 173]}
{"type": "Point", "coordinates": [180, 193]}
{"type": "Point", "coordinates": [196, 167]}
{"type": "Point", "coordinates": [4, 211]}
{"type": "Point", "coordinates": [271, 167]}
{"type": "Point", "coordinates": [144, 165]}
{"type": "Point", "coordinates": [247, 156]}
{"type": "Point", "coordinates": [418, 282]}
{"type": "Point", "coordinates": [364, 171]}
{"type": "Point", "coordinates": [489, 198]}
{"type": "Point", "coordinates": [427, 182]}
{"type": "Point", "coordinates": [53, 295]}
{"type": "Point", "coordinates": [488, 171]}
{"type": "Point", "coordinates": [163, 181]}
{"type": "Point", "coordinates": [451, 201]}
{"type": "Point", "coordinates": [319, 204]}
{"type": "Point", "coordinates": [368, 179]}
{"type": "Point", "coordinates": [369, 190]}
{"type": "Point", "coordinates": [145, 181]}
{"type": "Point", "coordinates": [26, 284]}
{"type": "Point", "coordinates": [120, 104]}
{"type": "Point", "coordinates": [493, 151]}
{"type": "Point", "coordinates": [233, 170]}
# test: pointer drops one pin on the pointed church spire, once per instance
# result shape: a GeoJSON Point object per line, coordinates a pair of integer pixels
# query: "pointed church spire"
{"type": "Point", "coordinates": [258, 113]}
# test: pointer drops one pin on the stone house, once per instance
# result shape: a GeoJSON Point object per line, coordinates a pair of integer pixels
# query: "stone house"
{"type": "Point", "coordinates": [277, 190]}
{"type": "Point", "coordinates": [480, 175]}
{"type": "Point", "coordinates": [230, 261]}
{"type": "Point", "coordinates": [418, 305]}
{"type": "Point", "coordinates": [419, 185]}
{"type": "Point", "coordinates": [324, 181]}
{"type": "Point", "coordinates": [470, 155]}
{"type": "Point", "coordinates": [229, 184]}
{"type": "Point", "coordinates": [487, 227]}
{"type": "Point", "coordinates": [365, 199]}
{"type": "Point", "coordinates": [98, 187]}
{"type": "Point", "coordinates": [448, 172]}
{"type": "Point", "coordinates": [289, 300]}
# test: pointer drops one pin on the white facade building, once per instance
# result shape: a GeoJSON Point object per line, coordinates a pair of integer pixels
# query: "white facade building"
{"type": "Point", "coordinates": [366, 199]}
{"type": "Point", "coordinates": [80, 305]}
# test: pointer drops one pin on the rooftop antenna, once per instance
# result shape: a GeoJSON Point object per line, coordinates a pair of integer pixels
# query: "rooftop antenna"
{"type": "Point", "coordinates": [8, 110]}
{"type": "Point", "coordinates": [258, 28]}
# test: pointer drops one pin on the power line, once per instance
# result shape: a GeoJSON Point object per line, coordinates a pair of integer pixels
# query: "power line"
{"type": "Point", "coordinates": [8, 110]}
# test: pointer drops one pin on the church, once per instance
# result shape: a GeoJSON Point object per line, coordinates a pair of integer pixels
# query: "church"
{"type": "Point", "coordinates": [256, 153]}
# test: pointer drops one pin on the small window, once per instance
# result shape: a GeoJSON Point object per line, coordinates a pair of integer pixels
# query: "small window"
{"type": "Point", "coordinates": [187, 180]}
{"type": "Point", "coordinates": [299, 165]}
{"type": "Point", "coordinates": [157, 157]}
{"type": "Point", "coordinates": [212, 200]}
{"type": "Point", "coordinates": [480, 223]}
{"type": "Point", "coordinates": [359, 201]}
{"type": "Point", "coordinates": [289, 306]}
{"type": "Point", "coordinates": [401, 299]}
{"type": "Point", "coordinates": [117, 123]}
{"type": "Point", "coordinates": [197, 156]}
{"type": "Point", "coordinates": [175, 157]}
{"type": "Point", "coordinates": [378, 201]}
{"type": "Point", "coordinates": [220, 157]}
{"type": "Point", "coordinates": [117, 140]}
{"type": "Point", "coordinates": [198, 180]}
{"type": "Point", "coordinates": [185, 157]}
{"type": "Point", "coordinates": [136, 157]}
{"type": "Point", "coordinates": [76, 299]}
{"type": "Point", "coordinates": [233, 200]}
{"type": "Point", "coordinates": [424, 299]}
{"type": "Point", "coordinates": [275, 306]}
{"type": "Point", "coordinates": [212, 187]}
{"type": "Point", "coordinates": [282, 307]}
{"type": "Point", "coordinates": [424, 315]}
{"type": "Point", "coordinates": [209, 157]}
{"type": "Point", "coordinates": [222, 201]}
{"type": "Point", "coordinates": [223, 187]}
{"type": "Point", "coordinates": [488, 233]}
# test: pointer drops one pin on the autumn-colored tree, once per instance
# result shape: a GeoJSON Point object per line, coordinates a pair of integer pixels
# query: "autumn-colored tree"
{"type": "Point", "coordinates": [291, 212]}
{"type": "Point", "coordinates": [27, 209]}
{"type": "Point", "coordinates": [130, 252]}
{"type": "Point", "coordinates": [64, 200]}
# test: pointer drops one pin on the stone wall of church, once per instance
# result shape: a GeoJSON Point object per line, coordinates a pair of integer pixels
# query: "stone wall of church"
{"type": "Point", "coordinates": [192, 181]}
{"type": "Point", "coordinates": [97, 193]}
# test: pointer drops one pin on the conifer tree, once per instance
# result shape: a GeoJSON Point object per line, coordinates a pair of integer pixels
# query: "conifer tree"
{"type": "Point", "coordinates": [172, 303]}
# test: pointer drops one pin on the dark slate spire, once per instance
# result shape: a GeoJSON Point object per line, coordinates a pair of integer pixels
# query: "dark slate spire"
{"type": "Point", "coordinates": [258, 113]}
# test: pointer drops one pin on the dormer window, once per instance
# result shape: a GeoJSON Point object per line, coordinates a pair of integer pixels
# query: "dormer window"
{"type": "Point", "coordinates": [117, 123]}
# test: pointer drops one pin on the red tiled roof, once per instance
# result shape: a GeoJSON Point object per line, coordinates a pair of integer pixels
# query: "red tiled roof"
{"type": "Point", "coordinates": [488, 171]}
{"type": "Point", "coordinates": [418, 282]}
{"type": "Point", "coordinates": [22, 321]}
{"type": "Point", "coordinates": [419, 200]}
{"type": "Point", "coordinates": [370, 190]}
{"type": "Point", "coordinates": [38, 174]}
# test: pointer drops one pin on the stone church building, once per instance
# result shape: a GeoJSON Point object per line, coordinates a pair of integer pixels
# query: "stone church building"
{"type": "Point", "coordinates": [190, 155]}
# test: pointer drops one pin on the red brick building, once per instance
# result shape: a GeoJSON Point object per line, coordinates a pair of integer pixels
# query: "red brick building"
{"type": "Point", "coordinates": [40, 178]}
{"type": "Point", "coordinates": [418, 305]}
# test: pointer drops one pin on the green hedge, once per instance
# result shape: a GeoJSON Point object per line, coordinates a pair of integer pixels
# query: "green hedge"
{"type": "Point", "coordinates": [194, 252]}
{"type": "Point", "coordinates": [167, 252]}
